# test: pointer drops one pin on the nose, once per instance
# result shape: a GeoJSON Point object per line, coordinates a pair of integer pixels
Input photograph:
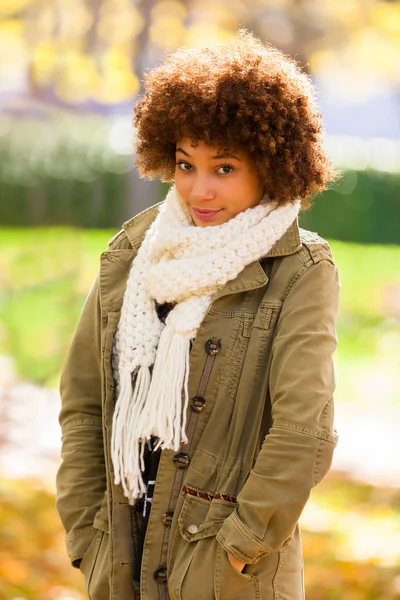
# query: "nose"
{"type": "Point", "coordinates": [201, 189]}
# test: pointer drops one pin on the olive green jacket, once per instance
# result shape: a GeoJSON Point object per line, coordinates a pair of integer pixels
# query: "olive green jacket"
{"type": "Point", "coordinates": [261, 428]}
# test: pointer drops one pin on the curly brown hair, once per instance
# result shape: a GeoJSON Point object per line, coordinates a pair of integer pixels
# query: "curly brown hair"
{"type": "Point", "coordinates": [243, 95]}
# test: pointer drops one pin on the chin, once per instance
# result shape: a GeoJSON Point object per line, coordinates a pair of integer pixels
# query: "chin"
{"type": "Point", "coordinates": [201, 223]}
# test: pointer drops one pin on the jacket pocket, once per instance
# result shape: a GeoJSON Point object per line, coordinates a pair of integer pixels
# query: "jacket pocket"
{"type": "Point", "coordinates": [229, 584]}
{"type": "Point", "coordinates": [265, 319]}
{"type": "Point", "coordinates": [94, 564]}
{"type": "Point", "coordinates": [94, 567]}
{"type": "Point", "coordinates": [194, 552]}
{"type": "Point", "coordinates": [200, 518]}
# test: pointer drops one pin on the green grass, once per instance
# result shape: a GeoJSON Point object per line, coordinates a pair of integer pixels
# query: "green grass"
{"type": "Point", "coordinates": [45, 274]}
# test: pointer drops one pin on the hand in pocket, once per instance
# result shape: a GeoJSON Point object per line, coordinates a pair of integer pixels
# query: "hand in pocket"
{"type": "Point", "coordinates": [236, 564]}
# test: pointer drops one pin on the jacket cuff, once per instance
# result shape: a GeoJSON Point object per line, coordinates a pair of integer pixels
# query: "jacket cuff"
{"type": "Point", "coordinates": [236, 539]}
{"type": "Point", "coordinates": [77, 542]}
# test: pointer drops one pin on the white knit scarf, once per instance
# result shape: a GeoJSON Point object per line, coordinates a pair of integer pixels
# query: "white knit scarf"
{"type": "Point", "coordinates": [180, 263]}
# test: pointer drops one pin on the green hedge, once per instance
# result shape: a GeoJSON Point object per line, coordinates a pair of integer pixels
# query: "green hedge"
{"type": "Point", "coordinates": [363, 207]}
{"type": "Point", "coordinates": [97, 204]}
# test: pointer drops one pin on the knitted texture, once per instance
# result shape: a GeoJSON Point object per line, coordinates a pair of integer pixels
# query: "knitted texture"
{"type": "Point", "coordinates": [180, 263]}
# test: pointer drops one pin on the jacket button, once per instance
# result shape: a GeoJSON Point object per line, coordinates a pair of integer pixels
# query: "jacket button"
{"type": "Point", "coordinates": [182, 460]}
{"type": "Point", "coordinates": [193, 529]}
{"type": "Point", "coordinates": [167, 518]}
{"type": "Point", "coordinates": [160, 575]}
{"type": "Point", "coordinates": [197, 403]}
{"type": "Point", "coordinates": [213, 346]}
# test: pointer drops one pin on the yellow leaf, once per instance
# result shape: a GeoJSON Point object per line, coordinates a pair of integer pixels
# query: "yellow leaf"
{"type": "Point", "coordinates": [10, 7]}
{"type": "Point", "coordinates": [386, 16]}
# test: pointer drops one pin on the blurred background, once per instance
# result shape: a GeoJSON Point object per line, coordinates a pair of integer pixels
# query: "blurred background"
{"type": "Point", "coordinates": [70, 74]}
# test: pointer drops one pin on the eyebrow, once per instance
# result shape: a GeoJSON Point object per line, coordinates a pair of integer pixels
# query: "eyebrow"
{"type": "Point", "coordinates": [216, 157]}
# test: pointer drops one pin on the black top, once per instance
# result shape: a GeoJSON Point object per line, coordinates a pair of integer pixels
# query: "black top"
{"type": "Point", "coordinates": [142, 506]}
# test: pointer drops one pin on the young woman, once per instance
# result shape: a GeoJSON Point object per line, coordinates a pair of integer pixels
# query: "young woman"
{"type": "Point", "coordinates": [197, 407]}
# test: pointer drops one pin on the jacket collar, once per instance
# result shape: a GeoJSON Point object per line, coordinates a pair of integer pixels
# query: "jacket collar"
{"type": "Point", "coordinates": [289, 243]}
{"type": "Point", "coordinates": [136, 227]}
{"type": "Point", "coordinates": [252, 276]}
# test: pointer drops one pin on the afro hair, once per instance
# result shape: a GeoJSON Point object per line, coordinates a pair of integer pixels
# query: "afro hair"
{"type": "Point", "coordinates": [242, 95]}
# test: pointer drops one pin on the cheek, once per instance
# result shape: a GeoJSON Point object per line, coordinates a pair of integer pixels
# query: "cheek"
{"type": "Point", "coordinates": [182, 183]}
{"type": "Point", "coordinates": [244, 198]}
{"type": "Point", "coordinates": [181, 188]}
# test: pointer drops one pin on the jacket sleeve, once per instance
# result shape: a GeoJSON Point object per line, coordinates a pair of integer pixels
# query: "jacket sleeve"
{"type": "Point", "coordinates": [297, 452]}
{"type": "Point", "coordinates": [81, 479]}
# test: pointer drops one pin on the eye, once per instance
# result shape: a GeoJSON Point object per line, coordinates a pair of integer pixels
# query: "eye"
{"type": "Point", "coordinates": [183, 166]}
{"type": "Point", "coordinates": [225, 169]}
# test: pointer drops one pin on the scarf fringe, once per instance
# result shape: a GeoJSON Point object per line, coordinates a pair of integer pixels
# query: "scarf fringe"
{"type": "Point", "coordinates": [164, 415]}
{"type": "Point", "coordinates": [126, 448]}
{"type": "Point", "coordinates": [160, 400]}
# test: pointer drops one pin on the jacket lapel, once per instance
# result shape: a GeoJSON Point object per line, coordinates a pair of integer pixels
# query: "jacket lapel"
{"type": "Point", "coordinates": [253, 276]}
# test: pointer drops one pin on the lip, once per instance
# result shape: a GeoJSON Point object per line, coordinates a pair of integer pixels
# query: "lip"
{"type": "Point", "coordinates": [205, 215]}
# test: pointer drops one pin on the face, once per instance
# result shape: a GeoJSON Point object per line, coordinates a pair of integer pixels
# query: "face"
{"type": "Point", "coordinates": [215, 184]}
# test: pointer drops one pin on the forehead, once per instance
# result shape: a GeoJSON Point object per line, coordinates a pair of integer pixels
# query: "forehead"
{"type": "Point", "coordinates": [203, 149]}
